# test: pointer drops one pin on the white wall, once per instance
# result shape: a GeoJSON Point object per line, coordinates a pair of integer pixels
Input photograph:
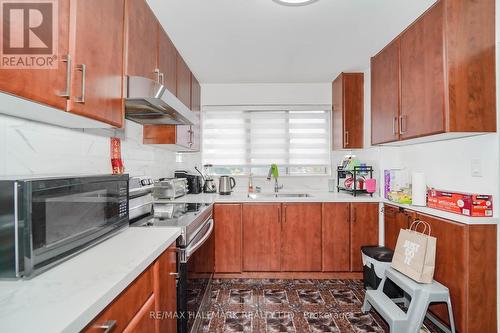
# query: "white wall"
{"type": "Point", "coordinates": [31, 148]}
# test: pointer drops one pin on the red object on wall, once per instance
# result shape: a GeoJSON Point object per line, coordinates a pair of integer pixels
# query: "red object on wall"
{"type": "Point", "coordinates": [116, 156]}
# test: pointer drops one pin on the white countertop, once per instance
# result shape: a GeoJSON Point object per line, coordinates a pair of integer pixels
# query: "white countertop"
{"type": "Point", "coordinates": [446, 215]}
{"type": "Point", "coordinates": [323, 196]}
{"type": "Point", "coordinates": [67, 297]}
{"type": "Point", "coordinates": [315, 196]}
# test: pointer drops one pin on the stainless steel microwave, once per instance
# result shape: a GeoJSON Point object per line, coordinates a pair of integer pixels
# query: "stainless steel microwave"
{"type": "Point", "coordinates": [44, 221]}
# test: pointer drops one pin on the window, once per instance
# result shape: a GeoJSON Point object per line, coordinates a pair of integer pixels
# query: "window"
{"type": "Point", "coordinates": [243, 141]}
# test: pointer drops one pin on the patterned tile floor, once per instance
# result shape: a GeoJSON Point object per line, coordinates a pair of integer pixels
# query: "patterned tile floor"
{"type": "Point", "coordinates": [268, 306]}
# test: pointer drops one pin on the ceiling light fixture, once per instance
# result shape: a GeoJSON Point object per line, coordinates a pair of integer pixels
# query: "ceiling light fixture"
{"type": "Point", "coordinates": [295, 2]}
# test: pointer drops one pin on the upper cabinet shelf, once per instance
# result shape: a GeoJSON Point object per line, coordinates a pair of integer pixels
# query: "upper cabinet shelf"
{"type": "Point", "coordinates": [437, 79]}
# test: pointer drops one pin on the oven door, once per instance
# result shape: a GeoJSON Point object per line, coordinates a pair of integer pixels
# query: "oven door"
{"type": "Point", "coordinates": [67, 215]}
{"type": "Point", "coordinates": [196, 271]}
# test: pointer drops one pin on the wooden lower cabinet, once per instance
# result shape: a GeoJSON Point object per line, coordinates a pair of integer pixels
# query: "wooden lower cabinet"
{"type": "Point", "coordinates": [301, 235]}
{"type": "Point", "coordinates": [261, 237]}
{"type": "Point", "coordinates": [465, 264]}
{"type": "Point", "coordinates": [395, 219]}
{"type": "Point", "coordinates": [154, 291]}
{"type": "Point", "coordinates": [364, 231]}
{"type": "Point", "coordinates": [227, 219]}
{"type": "Point", "coordinates": [336, 237]}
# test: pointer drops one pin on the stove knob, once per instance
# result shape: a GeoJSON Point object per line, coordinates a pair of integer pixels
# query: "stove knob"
{"type": "Point", "coordinates": [144, 182]}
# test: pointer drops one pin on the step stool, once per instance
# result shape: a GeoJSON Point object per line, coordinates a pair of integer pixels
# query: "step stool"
{"type": "Point", "coordinates": [421, 296]}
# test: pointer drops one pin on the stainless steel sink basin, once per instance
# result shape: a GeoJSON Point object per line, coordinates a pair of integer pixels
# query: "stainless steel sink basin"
{"type": "Point", "coordinates": [277, 195]}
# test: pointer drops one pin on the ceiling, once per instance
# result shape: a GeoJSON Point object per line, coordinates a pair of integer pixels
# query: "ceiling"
{"type": "Point", "coordinates": [259, 41]}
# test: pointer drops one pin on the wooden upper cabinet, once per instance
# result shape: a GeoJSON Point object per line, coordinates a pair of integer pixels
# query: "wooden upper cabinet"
{"type": "Point", "coordinates": [195, 94]}
{"type": "Point", "coordinates": [385, 94]}
{"type": "Point", "coordinates": [46, 86]}
{"type": "Point", "coordinates": [227, 218]}
{"type": "Point", "coordinates": [348, 109]}
{"type": "Point", "coordinates": [446, 70]}
{"type": "Point", "coordinates": [261, 237]}
{"type": "Point", "coordinates": [96, 90]}
{"type": "Point", "coordinates": [142, 40]}
{"type": "Point", "coordinates": [364, 231]}
{"type": "Point", "coordinates": [167, 61]}
{"type": "Point", "coordinates": [183, 82]}
{"type": "Point", "coordinates": [301, 233]}
{"type": "Point", "coordinates": [422, 76]}
{"type": "Point", "coordinates": [336, 237]}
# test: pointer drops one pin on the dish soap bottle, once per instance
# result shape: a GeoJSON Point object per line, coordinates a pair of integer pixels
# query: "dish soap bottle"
{"type": "Point", "coordinates": [250, 183]}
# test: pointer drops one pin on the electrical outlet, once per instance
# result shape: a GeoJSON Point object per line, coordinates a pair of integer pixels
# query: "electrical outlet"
{"type": "Point", "coordinates": [476, 168]}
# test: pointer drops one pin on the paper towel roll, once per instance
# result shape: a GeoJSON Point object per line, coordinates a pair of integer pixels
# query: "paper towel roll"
{"type": "Point", "coordinates": [418, 189]}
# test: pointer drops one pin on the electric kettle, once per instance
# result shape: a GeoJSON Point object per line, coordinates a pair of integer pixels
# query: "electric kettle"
{"type": "Point", "coordinates": [226, 185]}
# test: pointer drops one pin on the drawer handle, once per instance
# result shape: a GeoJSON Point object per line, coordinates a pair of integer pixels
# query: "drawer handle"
{"type": "Point", "coordinates": [82, 68]}
{"type": "Point", "coordinates": [107, 326]}
{"type": "Point", "coordinates": [346, 138]}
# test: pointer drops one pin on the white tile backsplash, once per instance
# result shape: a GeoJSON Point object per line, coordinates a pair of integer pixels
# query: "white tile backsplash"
{"type": "Point", "coordinates": [31, 148]}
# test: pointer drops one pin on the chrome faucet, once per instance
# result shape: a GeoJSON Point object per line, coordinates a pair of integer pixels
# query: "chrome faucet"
{"type": "Point", "coordinates": [273, 172]}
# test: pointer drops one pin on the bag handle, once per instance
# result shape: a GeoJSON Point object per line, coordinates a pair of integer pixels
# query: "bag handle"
{"type": "Point", "coordinates": [417, 223]}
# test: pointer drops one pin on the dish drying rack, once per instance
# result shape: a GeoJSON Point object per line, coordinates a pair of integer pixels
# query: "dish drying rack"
{"type": "Point", "coordinates": [361, 170]}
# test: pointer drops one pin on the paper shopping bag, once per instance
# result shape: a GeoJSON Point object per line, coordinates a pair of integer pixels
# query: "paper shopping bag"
{"type": "Point", "coordinates": [415, 254]}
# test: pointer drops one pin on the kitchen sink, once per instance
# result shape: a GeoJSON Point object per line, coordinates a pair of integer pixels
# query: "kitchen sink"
{"type": "Point", "coordinates": [277, 195]}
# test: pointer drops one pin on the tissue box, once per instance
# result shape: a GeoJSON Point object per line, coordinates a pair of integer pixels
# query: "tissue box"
{"type": "Point", "coordinates": [477, 205]}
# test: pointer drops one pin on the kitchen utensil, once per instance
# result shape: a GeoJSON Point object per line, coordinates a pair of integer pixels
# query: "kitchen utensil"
{"type": "Point", "coordinates": [371, 185]}
{"type": "Point", "coordinates": [226, 185]}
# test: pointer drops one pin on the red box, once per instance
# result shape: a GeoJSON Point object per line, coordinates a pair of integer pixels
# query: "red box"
{"type": "Point", "coordinates": [477, 205]}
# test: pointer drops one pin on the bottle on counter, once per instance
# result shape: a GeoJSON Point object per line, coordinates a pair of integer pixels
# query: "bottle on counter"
{"type": "Point", "coordinates": [250, 183]}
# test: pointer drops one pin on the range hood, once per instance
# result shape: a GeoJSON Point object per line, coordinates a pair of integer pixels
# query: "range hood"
{"type": "Point", "coordinates": [149, 102]}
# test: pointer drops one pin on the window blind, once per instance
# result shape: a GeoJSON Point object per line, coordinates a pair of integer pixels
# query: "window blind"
{"type": "Point", "coordinates": [244, 141]}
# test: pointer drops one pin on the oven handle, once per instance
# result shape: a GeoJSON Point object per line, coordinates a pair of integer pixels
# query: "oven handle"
{"type": "Point", "coordinates": [191, 249]}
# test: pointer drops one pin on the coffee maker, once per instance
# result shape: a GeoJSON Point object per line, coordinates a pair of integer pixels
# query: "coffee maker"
{"type": "Point", "coordinates": [209, 183]}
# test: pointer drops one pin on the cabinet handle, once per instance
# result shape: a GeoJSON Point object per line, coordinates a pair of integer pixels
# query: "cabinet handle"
{"type": "Point", "coordinates": [346, 138]}
{"type": "Point", "coordinates": [395, 124]}
{"type": "Point", "coordinates": [279, 215]}
{"type": "Point", "coordinates": [82, 68]}
{"type": "Point", "coordinates": [107, 326]}
{"type": "Point", "coordinates": [66, 93]}
{"type": "Point", "coordinates": [402, 124]}
{"type": "Point", "coordinates": [174, 274]}
{"type": "Point", "coordinates": [162, 78]}
{"type": "Point", "coordinates": [157, 73]}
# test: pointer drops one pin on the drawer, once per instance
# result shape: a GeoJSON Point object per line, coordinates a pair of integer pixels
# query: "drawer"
{"type": "Point", "coordinates": [125, 306]}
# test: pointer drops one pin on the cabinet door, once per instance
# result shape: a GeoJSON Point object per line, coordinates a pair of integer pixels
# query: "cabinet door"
{"type": "Point", "coordinates": [168, 135]}
{"type": "Point", "coordinates": [142, 321]}
{"type": "Point", "coordinates": [142, 41]}
{"type": "Point", "coordinates": [353, 110]}
{"type": "Point", "coordinates": [451, 265]}
{"type": "Point", "coordinates": [195, 94]}
{"type": "Point", "coordinates": [44, 85]}
{"type": "Point", "coordinates": [98, 60]}
{"type": "Point", "coordinates": [422, 76]}
{"type": "Point", "coordinates": [394, 221]}
{"type": "Point", "coordinates": [183, 82]}
{"type": "Point", "coordinates": [167, 61]}
{"type": "Point", "coordinates": [165, 289]}
{"type": "Point", "coordinates": [364, 231]}
{"type": "Point", "coordinates": [261, 237]}
{"type": "Point", "coordinates": [301, 237]}
{"type": "Point", "coordinates": [337, 114]}
{"type": "Point", "coordinates": [336, 240]}
{"type": "Point", "coordinates": [227, 219]}
{"type": "Point", "coordinates": [385, 94]}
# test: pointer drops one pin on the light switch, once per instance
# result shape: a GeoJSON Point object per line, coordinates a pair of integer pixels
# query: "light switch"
{"type": "Point", "coordinates": [476, 168]}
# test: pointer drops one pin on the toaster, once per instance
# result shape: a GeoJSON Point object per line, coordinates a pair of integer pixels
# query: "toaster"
{"type": "Point", "coordinates": [170, 188]}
